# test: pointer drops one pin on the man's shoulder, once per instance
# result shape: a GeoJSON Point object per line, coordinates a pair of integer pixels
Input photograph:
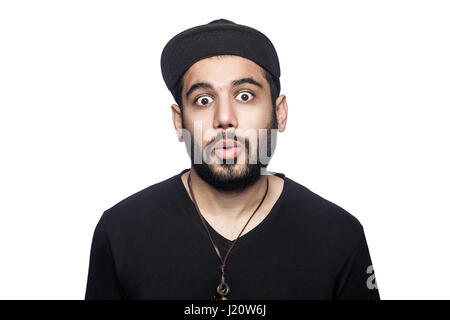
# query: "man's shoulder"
{"type": "Point", "coordinates": [322, 214]}
{"type": "Point", "coordinates": [141, 202]}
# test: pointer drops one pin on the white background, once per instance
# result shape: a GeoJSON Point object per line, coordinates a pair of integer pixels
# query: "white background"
{"type": "Point", "coordinates": [85, 121]}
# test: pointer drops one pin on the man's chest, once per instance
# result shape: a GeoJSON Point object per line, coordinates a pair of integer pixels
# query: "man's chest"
{"type": "Point", "coordinates": [191, 270]}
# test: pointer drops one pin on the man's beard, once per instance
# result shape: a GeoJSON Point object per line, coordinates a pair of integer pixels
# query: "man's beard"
{"type": "Point", "coordinates": [233, 178]}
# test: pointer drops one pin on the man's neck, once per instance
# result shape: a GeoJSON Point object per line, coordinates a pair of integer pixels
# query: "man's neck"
{"type": "Point", "coordinates": [225, 205]}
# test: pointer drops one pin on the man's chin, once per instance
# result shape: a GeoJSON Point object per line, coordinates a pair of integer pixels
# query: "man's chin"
{"type": "Point", "coordinates": [229, 177]}
{"type": "Point", "coordinates": [232, 170]}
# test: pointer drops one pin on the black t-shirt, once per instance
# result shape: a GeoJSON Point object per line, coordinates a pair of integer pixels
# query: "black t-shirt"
{"type": "Point", "coordinates": [152, 245]}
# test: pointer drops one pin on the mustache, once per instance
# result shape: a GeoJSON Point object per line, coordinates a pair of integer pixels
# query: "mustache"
{"type": "Point", "coordinates": [260, 149]}
{"type": "Point", "coordinates": [230, 135]}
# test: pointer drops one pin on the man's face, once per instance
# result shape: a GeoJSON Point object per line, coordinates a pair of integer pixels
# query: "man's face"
{"type": "Point", "coordinates": [227, 103]}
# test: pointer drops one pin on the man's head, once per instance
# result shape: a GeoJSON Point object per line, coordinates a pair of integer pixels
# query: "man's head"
{"type": "Point", "coordinates": [227, 105]}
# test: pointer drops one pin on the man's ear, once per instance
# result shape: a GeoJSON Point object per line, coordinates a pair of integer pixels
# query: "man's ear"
{"type": "Point", "coordinates": [177, 120]}
{"type": "Point", "coordinates": [281, 108]}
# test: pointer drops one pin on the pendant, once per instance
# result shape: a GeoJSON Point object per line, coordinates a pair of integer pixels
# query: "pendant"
{"type": "Point", "coordinates": [222, 291]}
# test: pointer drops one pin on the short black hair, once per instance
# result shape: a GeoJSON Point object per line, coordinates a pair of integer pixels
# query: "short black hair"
{"type": "Point", "coordinates": [274, 93]}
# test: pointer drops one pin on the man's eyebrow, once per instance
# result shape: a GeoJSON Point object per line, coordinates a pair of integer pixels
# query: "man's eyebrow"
{"type": "Point", "coordinates": [198, 85]}
{"type": "Point", "coordinates": [246, 80]}
{"type": "Point", "coordinates": [234, 83]}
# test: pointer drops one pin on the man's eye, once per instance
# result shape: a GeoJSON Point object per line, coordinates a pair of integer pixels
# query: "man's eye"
{"type": "Point", "coordinates": [245, 96]}
{"type": "Point", "coordinates": [203, 100]}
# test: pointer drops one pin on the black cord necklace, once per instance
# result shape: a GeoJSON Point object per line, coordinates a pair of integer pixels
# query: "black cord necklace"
{"type": "Point", "coordinates": [223, 289]}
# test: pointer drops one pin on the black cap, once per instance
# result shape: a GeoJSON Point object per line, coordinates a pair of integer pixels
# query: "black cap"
{"type": "Point", "coordinates": [218, 37]}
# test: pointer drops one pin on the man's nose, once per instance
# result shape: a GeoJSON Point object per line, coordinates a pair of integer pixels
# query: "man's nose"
{"type": "Point", "coordinates": [225, 114]}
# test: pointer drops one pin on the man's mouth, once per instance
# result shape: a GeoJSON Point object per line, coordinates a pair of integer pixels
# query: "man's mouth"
{"type": "Point", "coordinates": [227, 149]}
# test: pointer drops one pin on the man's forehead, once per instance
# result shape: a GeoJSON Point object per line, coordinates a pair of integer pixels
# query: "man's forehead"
{"type": "Point", "coordinates": [222, 70]}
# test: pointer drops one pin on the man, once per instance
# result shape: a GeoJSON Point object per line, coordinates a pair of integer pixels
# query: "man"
{"type": "Point", "coordinates": [227, 228]}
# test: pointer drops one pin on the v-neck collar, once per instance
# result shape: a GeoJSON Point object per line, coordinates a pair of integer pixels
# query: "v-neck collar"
{"type": "Point", "coordinates": [243, 239]}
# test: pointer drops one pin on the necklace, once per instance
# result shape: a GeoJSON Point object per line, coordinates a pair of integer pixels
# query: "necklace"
{"type": "Point", "coordinates": [223, 289]}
